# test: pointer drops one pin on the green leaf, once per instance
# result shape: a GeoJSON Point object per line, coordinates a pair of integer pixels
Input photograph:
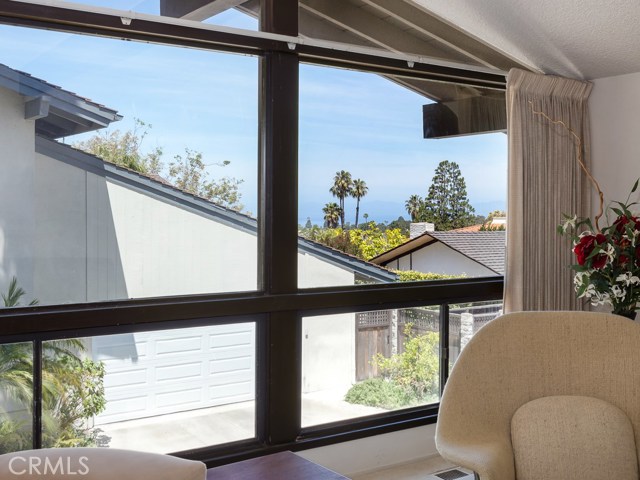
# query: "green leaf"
{"type": "Point", "coordinates": [635, 186]}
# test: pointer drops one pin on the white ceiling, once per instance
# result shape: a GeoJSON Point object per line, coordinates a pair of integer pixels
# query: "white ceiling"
{"type": "Point", "coordinates": [577, 38]}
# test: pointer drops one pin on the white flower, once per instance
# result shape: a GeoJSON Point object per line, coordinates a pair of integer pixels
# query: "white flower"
{"type": "Point", "coordinates": [628, 279]}
{"type": "Point", "coordinates": [610, 252]}
{"type": "Point", "coordinates": [600, 298]}
{"type": "Point", "coordinates": [618, 292]}
{"type": "Point", "coordinates": [569, 224]}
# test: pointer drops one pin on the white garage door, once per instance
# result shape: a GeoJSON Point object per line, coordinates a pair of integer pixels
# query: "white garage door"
{"type": "Point", "coordinates": [169, 371]}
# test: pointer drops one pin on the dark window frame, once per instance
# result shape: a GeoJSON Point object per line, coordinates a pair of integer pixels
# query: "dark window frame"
{"type": "Point", "coordinates": [278, 306]}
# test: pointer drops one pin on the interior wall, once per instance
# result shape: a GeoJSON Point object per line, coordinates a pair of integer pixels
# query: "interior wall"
{"type": "Point", "coordinates": [615, 125]}
{"type": "Point", "coordinates": [377, 452]}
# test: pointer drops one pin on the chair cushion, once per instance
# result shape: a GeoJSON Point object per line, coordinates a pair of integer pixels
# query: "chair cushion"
{"type": "Point", "coordinates": [573, 438]}
{"type": "Point", "coordinates": [97, 464]}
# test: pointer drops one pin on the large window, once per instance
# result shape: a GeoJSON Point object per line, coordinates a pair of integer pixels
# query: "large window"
{"type": "Point", "coordinates": [153, 258]}
{"type": "Point", "coordinates": [123, 182]}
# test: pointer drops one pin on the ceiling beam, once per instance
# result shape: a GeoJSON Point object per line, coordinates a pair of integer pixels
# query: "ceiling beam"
{"type": "Point", "coordinates": [376, 31]}
{"type": "Point", "coordinates": [312, 26]}
{"type": "Point", "coordinates": [197, 10]}
{"type": "Point", "coordinates": [419, 19]}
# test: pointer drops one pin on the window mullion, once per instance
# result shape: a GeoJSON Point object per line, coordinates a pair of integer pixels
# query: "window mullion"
{"type": "Point", "coordinates": [279, 382]}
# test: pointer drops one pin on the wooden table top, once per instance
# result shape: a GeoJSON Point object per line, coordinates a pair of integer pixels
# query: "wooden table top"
{"type": "Point", "coordinates": [278, 466]}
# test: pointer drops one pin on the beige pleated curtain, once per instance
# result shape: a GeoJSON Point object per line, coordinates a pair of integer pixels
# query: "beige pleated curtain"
{"type": "Point", "coordinates": [544, 181]}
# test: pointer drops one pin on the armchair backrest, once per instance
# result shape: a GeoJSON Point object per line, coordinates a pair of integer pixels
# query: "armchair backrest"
{"type": "Point", "coordinates": [97, 464]}
{"type": "Point", "coordinates": [523, 356]}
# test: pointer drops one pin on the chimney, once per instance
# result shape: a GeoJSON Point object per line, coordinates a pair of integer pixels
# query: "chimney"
{"type": "Point", "coordinates": [416, 229]}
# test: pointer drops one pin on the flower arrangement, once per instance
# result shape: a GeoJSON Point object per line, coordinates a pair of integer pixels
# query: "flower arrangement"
{"type": "Point", "coordinates": [608, 259]}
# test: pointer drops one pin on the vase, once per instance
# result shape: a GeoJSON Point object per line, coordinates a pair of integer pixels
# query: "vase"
{"type": "Point", "coordinates": [630, 314]}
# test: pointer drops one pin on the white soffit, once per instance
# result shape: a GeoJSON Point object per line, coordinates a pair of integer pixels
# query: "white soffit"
{"type": "Point", "coordinates": [583, 39]}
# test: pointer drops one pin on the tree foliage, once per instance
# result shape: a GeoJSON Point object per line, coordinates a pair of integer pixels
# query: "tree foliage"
{"type": "Point", "coordinates": [365, 243]}
{"type": "Point", "coordinates": [331, 215]}
{"type": "Point", "coordinates": [358, 190]}
{"type": "Point", "coordinates": [125, 148]}
{"type": "Point", "coordinates": [446, 204]}
{"type": "Point", "coordinates": [341, 188]}
{"type": "Point", "coordinates": [72, 390]}
{"type": "Point", "coordinates": [187, 172]}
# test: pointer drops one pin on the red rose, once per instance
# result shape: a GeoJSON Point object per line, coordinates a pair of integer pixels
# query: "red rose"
{"type": "Point", "coordinates": [585, 246]}
{"type": "Point", "coordinates": [621, 223]}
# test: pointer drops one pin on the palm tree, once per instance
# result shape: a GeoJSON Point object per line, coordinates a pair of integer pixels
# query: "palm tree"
{"type": "Point", "coordinates": [62, 370]}
{"type": "Point", "coordinates": [342, 185]}
{"type": "Point", "coordinates": [414, 206]}
{"type": "Point", "coordinates": [332, 215]}
{"type": "Point", "coordinates": [358, 190]}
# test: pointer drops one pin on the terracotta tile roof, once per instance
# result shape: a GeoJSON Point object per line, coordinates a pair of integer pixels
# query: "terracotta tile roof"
{"type": "Point", "coordinates": [470, 228]}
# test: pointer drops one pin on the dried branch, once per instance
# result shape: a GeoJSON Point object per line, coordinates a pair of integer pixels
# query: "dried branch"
{"type": "Point", "coordinates": [578, 142]}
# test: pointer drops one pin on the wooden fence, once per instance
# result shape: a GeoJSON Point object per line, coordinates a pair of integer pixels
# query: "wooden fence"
{"type": "Point", "coordinates": [375, 332]}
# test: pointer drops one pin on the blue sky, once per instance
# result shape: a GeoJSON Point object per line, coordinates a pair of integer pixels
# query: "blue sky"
{"type": "Point", "coordinates": [207, 101]}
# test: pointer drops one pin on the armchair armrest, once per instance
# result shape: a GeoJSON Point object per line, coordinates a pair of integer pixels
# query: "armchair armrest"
{"type": "Point", "coordinates": [491, 460]}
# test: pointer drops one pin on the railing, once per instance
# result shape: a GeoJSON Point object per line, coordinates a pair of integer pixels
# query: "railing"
{"type": "Point", "coordinates": [374, 330]}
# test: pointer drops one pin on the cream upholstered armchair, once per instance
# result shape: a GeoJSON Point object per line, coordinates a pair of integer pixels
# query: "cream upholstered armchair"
{"type": "Point", "coordinates": [97, 464]}
{"type": "Point", "coordinates": [546, 396]}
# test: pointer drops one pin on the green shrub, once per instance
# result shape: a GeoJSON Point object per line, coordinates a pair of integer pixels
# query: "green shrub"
{"type": "Point", "coordinates": [408, 378]}
{"type": "Point", "coordinates": [417, 367]}
{"type": "Point", "coordinates": [415, 276]}
{"type": "Point", "coordinates": [378, 392]}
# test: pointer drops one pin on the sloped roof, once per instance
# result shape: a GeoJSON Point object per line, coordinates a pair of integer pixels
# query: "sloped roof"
{"type": "Point", "coordinates": [485, 248]}
{"type": "Point", "coordinates": [63, 113]}
{"type": "Point", "coordinates": [160, 188]}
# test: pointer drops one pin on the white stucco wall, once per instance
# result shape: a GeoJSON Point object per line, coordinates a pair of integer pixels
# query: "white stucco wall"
{"type": "Point", "coordinates": [17, 222]}
{"type": "Point", "coordinates": [614, 107]}
{"type": "Point", "coordinates": [328, 341]}
{"type": "Point", "coordinates": [439, 258]}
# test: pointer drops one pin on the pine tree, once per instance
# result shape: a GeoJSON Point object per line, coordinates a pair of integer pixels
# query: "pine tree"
{"type": "Point", "coordinates": [447, 205]}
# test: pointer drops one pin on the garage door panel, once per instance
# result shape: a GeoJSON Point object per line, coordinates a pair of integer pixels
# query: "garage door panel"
{"type": "Point", "coordinates": [231, 339]}
{"type": "Point", "coordinates": [161, 372]}
{"type": "Point", "coordinates": [127, 378]}
{"type": "Point", "coordinates": [231, 365]}
{"type": "Point", "coordinates": [179, 373]}
{"type": "Point", "coordinates": [233, 351]}
{"type": "Point", "coordinates": [179, 345]}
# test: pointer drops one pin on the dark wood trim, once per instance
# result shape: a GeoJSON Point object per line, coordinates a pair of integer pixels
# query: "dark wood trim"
{"type": "Point", "coordinates": [139, 315]}
{"type": "Point", "coordinates": [280, 16]}
{"type": "Point", "coordinates": [278, 225]}
{"type": "Point", "coordinates": [36, 417]}
{"type": "Point", "coordinates": [79, 21]}
{"type": "Point", "coordinates": [444, 346]}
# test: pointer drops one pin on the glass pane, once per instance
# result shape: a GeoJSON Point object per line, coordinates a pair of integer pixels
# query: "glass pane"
{"type": "Point", "coordinates": [245, 14]}
{"type": "Point", "coordinates": [16, 397]}
{"type": "Point", "coordinates": [159, 391]}
{"type": "Point", "coordinates": [148, 189]}
{"type": "Point", "coordinates": [374, 187]}
{"type": "Point", "coordinates": [465, 320]}
{"type": "Point", "coordinates": [358, 364]}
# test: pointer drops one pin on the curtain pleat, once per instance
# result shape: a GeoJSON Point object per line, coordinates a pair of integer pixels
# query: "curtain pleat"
{"type": "Point", "coordinates": [544, 181]}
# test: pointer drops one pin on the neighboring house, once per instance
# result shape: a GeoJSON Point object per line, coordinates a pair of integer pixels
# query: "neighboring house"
{"type": "Point", "coordinates": [74, 228]}
{"type": "Point", "coordinates": [473, 254]}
